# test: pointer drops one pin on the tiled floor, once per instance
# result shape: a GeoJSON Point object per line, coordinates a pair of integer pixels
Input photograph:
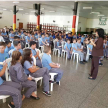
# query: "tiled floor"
{"type": "Point", "coordinates": [76, 90]}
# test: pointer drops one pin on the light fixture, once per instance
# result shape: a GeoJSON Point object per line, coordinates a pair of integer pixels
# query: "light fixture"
{"type": "Point", "coordinates": [87, 7]}
{"type": "Point", "coordinates": [15, 2]}
{"type": "Point", "coordinates": [21, 9]}
{"type": "Point", "coordinates": [4, 9]}
{"type": "Point", "coordinates": [101, 15]}
{"type": "Point", "coordinates": [42, 8]}
{"type": "Point", "coordinates": [51, 11]}
{"type": "Point", "coordinates": [95, 13]}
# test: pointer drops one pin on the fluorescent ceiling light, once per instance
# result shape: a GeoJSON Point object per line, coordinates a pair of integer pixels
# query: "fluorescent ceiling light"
{"type": "Point", "coordinates": [95, 13]}
{"type": "Point", "coordinates": [4, 9]}
{"type": "Point", "coordinates": [21, 9]}
{"type": "Point", "coordinates": [87, 7]}
{"type": "Point", "coordinates": [51, 11]}
{"type": "Point", "coordinates": [101, 15]}
{"type": "Point", "coordinates": [16, 2]}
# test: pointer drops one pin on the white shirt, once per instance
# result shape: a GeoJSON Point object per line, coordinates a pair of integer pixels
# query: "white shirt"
{"type": "Point", "coordinates": [1, 39]}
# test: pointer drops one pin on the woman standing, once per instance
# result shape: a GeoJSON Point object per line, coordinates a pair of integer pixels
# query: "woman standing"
{"type": "Point", "coordinates": [97, 52]}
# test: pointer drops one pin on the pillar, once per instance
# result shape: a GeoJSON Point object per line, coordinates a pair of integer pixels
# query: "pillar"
{"type": "Point", "coordinates": [74, 17]}
{"type": "Point", "coordinates": [14, 17]}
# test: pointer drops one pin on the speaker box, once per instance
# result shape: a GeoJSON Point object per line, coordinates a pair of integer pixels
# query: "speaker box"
{"type": "Point", "coordinates": [35, 6]}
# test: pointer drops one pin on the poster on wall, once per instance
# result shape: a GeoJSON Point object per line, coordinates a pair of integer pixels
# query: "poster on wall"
{"type": "Point", "coordinates": [102, 21]}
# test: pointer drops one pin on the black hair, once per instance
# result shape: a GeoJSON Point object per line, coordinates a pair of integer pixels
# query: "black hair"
{"type": "Point", "coordinates": [15, 43]}
{"type": "Point", "coordinates": [32, 43]}
{"type": "Point", "coordinates": [16, 37]}
{"type": "Point", "coordinates": [100, 32]}
{"type": "Point", "coordinates": [2, 44]}
{"type": "Point", "coordinates": [7, 42]}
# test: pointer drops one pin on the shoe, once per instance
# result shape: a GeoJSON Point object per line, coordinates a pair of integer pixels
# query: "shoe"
{"type": "Point", "coordinates": [81, 62]}
{"type": "Point", "coordinates": [46, 93]}
{"type": "Point", "coordinates": [89, 74]}
{"type": "Point", "coordinates": [68, 58]}
{"type": "Point", "coordinates": [58, 83]}
{"type": "Point", "coordinates": [10, 105]}
{"type": "Point", "coordinates": [52, 81]}
{"type": "Point", "coordinates": [36, 98]}
{"type": "Point", "coordinates": [85, 61]}
{"type": "Point", "coordinates": [100, 64]}
{"type": "Point", "coordinates": [91, 78]}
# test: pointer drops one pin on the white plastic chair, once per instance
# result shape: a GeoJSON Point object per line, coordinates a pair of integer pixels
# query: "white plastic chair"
{"type": "Point", "coordinates": [27, 45]}
{"type": "Point", "coordinates": [52, 75]}
{"type": "Point", "coordinates": [10, 52]}
{"type": "Point", "coordinates": [3, 97]}
{"type": "Point", "coordinates": [63, 50]}
{"type": "Point", "coordinates": [88, 54]}
{"type": "Point", "coordinates": [75, 55]}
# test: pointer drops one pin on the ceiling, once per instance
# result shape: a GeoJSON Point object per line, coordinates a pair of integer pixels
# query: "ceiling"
{"type": "Point", "coordinates": [60, 7]}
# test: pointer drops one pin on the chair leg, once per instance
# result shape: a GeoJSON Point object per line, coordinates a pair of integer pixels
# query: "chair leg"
{"type": "Point", "coordinates": [4, 100]}
{"type": "Point", "coordinates": [51, 89]}
{"type": "Point", "coordinates": [77, 58]}
{"type": "Point", "coordinates": [74, 56]}
{"type": "Point", "coordinates": [41, 82]}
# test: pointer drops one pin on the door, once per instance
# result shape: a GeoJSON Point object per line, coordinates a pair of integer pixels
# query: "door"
{"type": "Point", "coordinates": [20, 25]}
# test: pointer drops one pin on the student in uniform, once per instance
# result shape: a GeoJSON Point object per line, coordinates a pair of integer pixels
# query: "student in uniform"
{"type": "Point", "coordinates": [58, 45]}
{"type": "Point", "coordinates": [3, 55]}
{"type": "Point", "coordinates": [105, 48]}
{"type": "Point", "coordinates": [12, 89]}
{"type": "Point", "coordinates": [35, 54]}
{"type": "Point", "coordinates": [4, 34]}
{"type": "Point", "coordinates": [68, 48]}
{"type": "Point", "coordinates": [1, 38]}
{"type": "Point", "coordinates": [82, 39]}
{"type": "Point", "coordinates": [90, 46]}
{"type": "Point", "coordinates": [11, 35]}
{"type": "Point", "coordinates": [19, 35]}
{"type": "Point", "coordinates": [18, 76]}
{"type": "Point", "coordinates": [47, 38]}
{"type": "Point", "coordinates": [9, 46]}
{"type": "Point", "coordinates": [17, 45]}
{"type": "Point", "coordinates": [31, 69]}
{"type": "Point", "coordinates": [77, 50]}
{"type": "Point", "coordinates": [52, 67]}
{"type": "Point", "coordinates": [42, 41]}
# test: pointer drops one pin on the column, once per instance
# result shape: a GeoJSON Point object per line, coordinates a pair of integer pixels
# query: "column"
{"type": "Point", "coordinates": [14, 17]}
{"type": "Point", "coordinates": [74, 17]}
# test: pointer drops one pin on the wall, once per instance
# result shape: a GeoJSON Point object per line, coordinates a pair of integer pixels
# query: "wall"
{"type": "Point", "coordinates": [7, 19]}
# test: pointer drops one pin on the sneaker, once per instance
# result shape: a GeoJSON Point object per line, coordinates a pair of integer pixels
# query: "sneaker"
{"type": "Point", "coordinates": [52, 81]}
{"type": "Point", "coordinates": [81, 62]}
{"type": "Point", "coordinates": [58, 83]}
{"type": "Point", "coordinates": [85, 61]}
{"type": "Point", "coordinates": [100, 64]}
{"type": "Point", "coordinates": [46, 93]}
{"type": "Point", "coordinates": [10, 105]}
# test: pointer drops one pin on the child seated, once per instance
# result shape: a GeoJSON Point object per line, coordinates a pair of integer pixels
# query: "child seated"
{"type": "Point", "coordinates": [82, 39]}
{"type": "Point", "coordinates": [58, 44]}
{"type": "Point", "coordinates": [47, 38]}
{"type": "Point", "coordinates": [1, 38]}
{"type": "Point", "coordinates": [32, 70]}
{"type": "Point", "coordinates": [52, 67]}
{"type": "Point", "coordinates": [3, 55]}
{"type": "Point", "coordinates": [42, 41]}
{"type": "Point", "coordinates": [9, 46]}
{"type": "Point", "coordinates": [17, 75]}
{"type": "Point", "coordinates": [12, 89]}
{"type": "Point", "coordinates": [77, 49]}
{"type": "Point", "coordinates": [64, 38]}
{"type": "Point", "coordinates": [68, 48]}
{"type": "Point", "coordinates": [11, 35]}
{"type": "Point", "coordinates": [17, 45]}
{"type": "Point", "coordinates": [90, 47]}
{"type": "Point", "coordinates": [35, 54]}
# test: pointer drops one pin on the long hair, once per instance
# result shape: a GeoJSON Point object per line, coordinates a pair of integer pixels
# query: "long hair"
{"type": "Point", "coordinates": [26, 56]}
{"type": "Point", "coordinates": [15, 57]}
{"type": "Point", "coordinates": [100, 32]}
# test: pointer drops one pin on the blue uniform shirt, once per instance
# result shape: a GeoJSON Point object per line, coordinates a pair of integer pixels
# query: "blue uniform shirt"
{"type": "Point", "coordinates": [1, 81]}
{"type": "Point", "coordinates": [68, 46]}
{"type": "Point", "coordinates": [42, 39]}
{"type": "Point", "coordinates": [79, 45]}
{"type": "Point", "coordinates": [8, 49]}
{"type": "Point", "coordinates": [47, 39]}
{"type": "Point", "coordinates": [82, 39]}
{"type": "Point", "coordinates": [46, 60]}
{"type": "Point", "coordinates": [91, 47]}
{"type": "Point", "coordinates": [20, 50]}
{"type": "Point", "coordinates": [74, 45]}
{"type": "Point", "coordinates": [4, 34]}
{"type": "Point", "coordinates": [3, 57]}
{"type": "Point", "coordinates": [27, 65]}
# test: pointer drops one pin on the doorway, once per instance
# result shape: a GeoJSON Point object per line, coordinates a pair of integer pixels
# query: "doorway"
{"type": "Point", "coordinates": [20, 25]}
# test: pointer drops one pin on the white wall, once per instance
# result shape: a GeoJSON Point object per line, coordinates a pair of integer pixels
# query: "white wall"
{"type": "Point", "coordinates": [7, 19]}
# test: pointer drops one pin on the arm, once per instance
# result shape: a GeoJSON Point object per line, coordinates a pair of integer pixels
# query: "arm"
{"type": "Point", "coordinates": [3, 70]}
{"type": "Point", "coordinates": [53, 65]}
{"type": "Point", "coordinates": [33, 69]}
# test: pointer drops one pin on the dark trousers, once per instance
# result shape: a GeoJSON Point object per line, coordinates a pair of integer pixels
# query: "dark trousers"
{"type": "Point", "coordinates": [94, 67]}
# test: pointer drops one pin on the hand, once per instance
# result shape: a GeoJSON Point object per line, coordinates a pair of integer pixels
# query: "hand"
{"type": "Point", "coordinates": [5, 65]}
{"type": "Point", "coordinates": [29, 78]}
{"type": "Point", "coordinates": [33, 67]}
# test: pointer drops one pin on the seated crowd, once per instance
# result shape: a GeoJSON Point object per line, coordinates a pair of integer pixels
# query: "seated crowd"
{"type": "Point", "coordinates": [21, 45]}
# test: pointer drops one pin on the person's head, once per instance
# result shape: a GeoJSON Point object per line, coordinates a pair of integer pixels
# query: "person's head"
{"type": "Point", "coordinates": [8, 44]}
{"type": "Point", "coordinates": [32, 34]}
{"type": "Point", "coordinates": [47, 49]}
{"type": "Point", "coordinates": [2, 47]}
{"type": "Point", "coordinates": [27, 55]}
{"type": "Point", "coordinates": [19, 33]}
{"type": "Point", "coordinates": [17, 44]}
{"type": "Point", "coordinates": [105, 40]}
{"type": "Point", "coordinates": [74, 40]}
{"type": "Point", "coordinates": [43, 36]}
{"type": "Point", "coordinates": [68, 41]}
{"type": "Point", "coordinates": [64, 36]}
{"type": "Point", "coordinates": [16, 57]}
{"type": "Point", "coordinates": [3, 30]}
{"type": "Point", "coordinates": [33, 44]}
{"type": "Point", "coordinates": [16, 38]}
{"type": "Point", "coordinates": [47, 34]}
{"type": "Point", "coordinates": [82, 36]}
{"type": "Point", "coordinates": [10, 27]}
{"type": "Point", "coordinates": [35, 32]}
{"type": "Point", "coordinates": [16, 30]}
{"type": "Point", "coordinates": [100, 33]}
{"type": "Point", "coordinates": [79, 40]}
{"type": "Point", "coordinates": [12, 31]}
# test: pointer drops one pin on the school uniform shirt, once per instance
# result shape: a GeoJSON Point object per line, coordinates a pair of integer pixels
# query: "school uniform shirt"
{"type": "Point", "coordinates": [15, 33]}
{"type": "Point", "coordinates": [7, 49]}
{"type": "Point", "coordinates": [42, 39]}
{"type": "Point", "coordinates": [27, 65]}
{"type": "Point", "coordinates": [68, 46]}
{"type": "Point", "coordinates": [3, 57]}
{"type": "Point", "coordinates": [17, 73]}
{"type": "Point", "coordinates": [1, 81]}
{"type": "Point", "coordinates": [27, 39]}
{"type": "Point", "coordinates": [46, 60]}
{"type": "Point", "coordinates": [33, 52]}
{"type": "Point", "coordinates": [4, 34]}
{"type": "Point", "coordinates": [1, 39]}
{"type": "Point", "coordinates": [21, 32]}
{"type": "Point", "coordinates": [74, 37]}
{"type": "Point", "coordinates": [91, 47]}
{"type": "Point", "coordinates": [74, 45]}
{"type": "Point", "coordinates": [10, 36]}
{"type": "Point", "coordinates": [104, 45]}
{"type": "Point", "coordinates": [79, 45]}
{"type": "Point", "coordinates": [20, 50]}
{"type": "Point", "coordinates": [53, 36]}
{"type": "Point", "coordinates": [20, 36]}
{"type": "Point", "coordinates": [47, 39]}
{"type": "Point", "coordinates": [82, 39]}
